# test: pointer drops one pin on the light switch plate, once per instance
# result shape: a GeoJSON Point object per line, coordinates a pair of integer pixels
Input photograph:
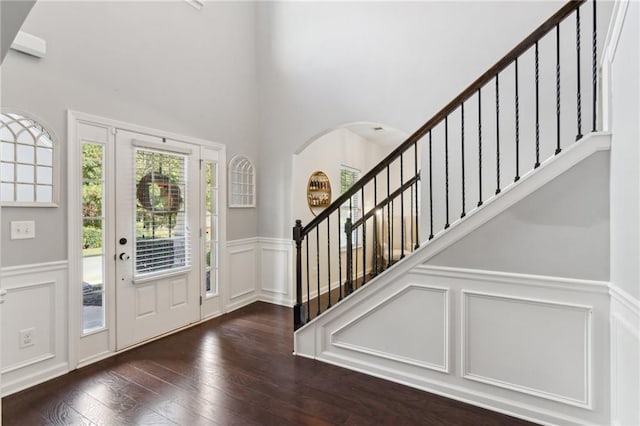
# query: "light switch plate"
{"type": "Point", "coordinates": [22, 230]}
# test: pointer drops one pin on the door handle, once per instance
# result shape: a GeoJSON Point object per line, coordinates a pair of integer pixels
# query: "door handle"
{"type": "Point", "coordinates": [124, 256]}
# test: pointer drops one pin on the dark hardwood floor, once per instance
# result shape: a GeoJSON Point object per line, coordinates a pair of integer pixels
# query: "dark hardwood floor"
{"type": "Point", "coordinates": [233, 370]}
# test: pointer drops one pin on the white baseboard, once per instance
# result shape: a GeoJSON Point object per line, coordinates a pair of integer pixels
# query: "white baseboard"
{"type": "Point", "coordinates": [30, 380]}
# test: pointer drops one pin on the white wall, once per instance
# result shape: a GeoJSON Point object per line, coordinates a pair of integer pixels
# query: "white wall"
{"type": "Point", "coordinates": [622, 63]}
{"type": "Point", "coordinates": [12, 15]}
{"type": "Point", "coordinates": [561, 230]}
{"type": "Point", "coordinates": [163, 65]}
{"type": "Point", "coordinates": [324, 63]}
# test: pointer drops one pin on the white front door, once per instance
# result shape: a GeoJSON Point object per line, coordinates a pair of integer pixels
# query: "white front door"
{"type": "Point", "coordinates": [157, 238]}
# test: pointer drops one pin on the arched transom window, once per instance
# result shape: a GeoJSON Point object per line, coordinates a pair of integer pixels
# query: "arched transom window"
{"type": "Point", "coordinates": [242, 182]}
{"type": "Point", "coordinates": [26, 162]}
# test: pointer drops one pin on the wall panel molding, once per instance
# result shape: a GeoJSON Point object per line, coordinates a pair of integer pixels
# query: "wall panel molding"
{"type": "Point", "coordinates": [34, 268]}
{"type": "Point", "coordinates": [566, 382]}
{"type": "Point", "coordinates": [537, 332]}
{"type": "Point", "coordinates": [36, 299]}
{"type": "Point", "coordinates": [525, 280]}
{"type": "Point", "coordinates": [443, 345]}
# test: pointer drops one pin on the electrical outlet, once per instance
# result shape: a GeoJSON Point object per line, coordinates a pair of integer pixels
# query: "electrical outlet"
{"type": "Point", "coordinates": [26, 337]}
{"type": "Point", "coordinates": [22, 230]}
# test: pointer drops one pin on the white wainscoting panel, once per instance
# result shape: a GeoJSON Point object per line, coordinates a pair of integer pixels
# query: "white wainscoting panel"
{"type": "Point", "coordinates": [536, 347]}
{"type": "Point", "coordinates": [532, 347]}
{"type": "Point", "coordinates": [625, 358]}
{"type": "Point", "coordinates": [36, 300]}
{"type": "Point", "coordinates": [243, 272]}
{"type": "Point", "coordinates": [411, 326]}
{"type": "Point", "coordinates": [276, 271]}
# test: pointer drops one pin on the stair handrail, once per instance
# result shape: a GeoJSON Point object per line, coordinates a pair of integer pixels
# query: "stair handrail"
{"type": "Point", "coordinates": [481, 81]}
{"type": "Point", "coordinates": [410, 183]}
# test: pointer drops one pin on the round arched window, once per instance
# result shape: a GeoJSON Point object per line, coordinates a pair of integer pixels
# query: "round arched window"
{"type": "Point", "coordinates": [27, 166]}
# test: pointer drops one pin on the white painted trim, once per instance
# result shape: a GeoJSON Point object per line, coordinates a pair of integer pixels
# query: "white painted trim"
{"type": "Point", "coordinates": [34, 379]}
{"type": "Point", "coordinates": [610, 47]}
{"type": "Point", "coordinates": [616, 23]}
{"type": "Point", "coordinates": [33, 268]}
{"type": "Point", "coordinates": [274, 301]}
{"type": "Point", "coordinates": [464, 348]}
{"type": "Point", "coordinates": [469, 396]}
{"type": "Point", "coordinates": [511, 278]}
{"type": "Point", "coordinates": [393, 357]}
{"type": "Point", "coordinates": [243, 293]}
{"type": "Point", "coordinates": [242, 242]}
{"type": "Point", "coordinates": [278, 241]}
{"type": "Point", "coordinates": [32, 361]}
{"type": "Point", "coordinates": [30, 44]}
{"type": "Point", "coordinates": [625, 299]}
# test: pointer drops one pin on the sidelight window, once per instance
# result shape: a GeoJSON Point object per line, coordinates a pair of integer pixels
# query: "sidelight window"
{"type": "Point", "coordinates": [93, 232]}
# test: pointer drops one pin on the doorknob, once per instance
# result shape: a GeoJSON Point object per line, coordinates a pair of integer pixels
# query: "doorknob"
{"type": "Point", "coordinates": [124, 256]}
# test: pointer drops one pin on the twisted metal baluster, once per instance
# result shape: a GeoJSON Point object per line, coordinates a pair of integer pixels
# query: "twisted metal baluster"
{"type": "Point", "coordinates": [463, 214]}
{"type": "Point", "coordinates": [537, 108]}
{"type": "Point", "coordinates": [579, 93]}
{"type": "Point", "coordinates": [497, 135]}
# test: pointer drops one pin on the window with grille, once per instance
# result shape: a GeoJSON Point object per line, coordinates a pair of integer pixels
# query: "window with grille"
{"type": "Point", "coordinates": [242, 182]}
{"type": "Point", "coordinates": [211, 229]}
{"type": "Point", "coordinates": [26, 162]}
{"type": "Point", "coordinates": [162, 233]}
{"type": "Point", "coordinates": [351, 208]}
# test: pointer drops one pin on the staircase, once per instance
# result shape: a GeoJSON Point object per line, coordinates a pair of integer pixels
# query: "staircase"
{"type": "Point", "coordinates": [369, 296]}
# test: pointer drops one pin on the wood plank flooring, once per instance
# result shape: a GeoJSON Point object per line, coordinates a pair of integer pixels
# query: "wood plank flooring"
{"type": "Point", "coordinates": [233, 370]}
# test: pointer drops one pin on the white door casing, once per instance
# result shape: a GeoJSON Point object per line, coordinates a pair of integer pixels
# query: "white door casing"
{"type": "Point", "coordinates": [140, 306]}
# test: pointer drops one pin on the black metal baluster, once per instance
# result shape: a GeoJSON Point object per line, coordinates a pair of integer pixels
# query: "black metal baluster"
{"type": "Point", "coordinates": [339, 257]}
{"type": "Point", "coordinates": [328, 262]}
{"type": "Point", "coordinates": [497, 134]}
{"type": "Point", "coordinates": [446, 169]}
{"type": "Point", "coordinates": [375, 226]}
{"type": "Point", "coordinates": [463, 214]}
{"type": "Point", "coordinates": [594, 65]}
{"type": "Point", "coordinates": [364, 240]}
{"type": "Point", "coordinates": [388, 219]}
{"type": "Point", "coordinates": [537, 76]}
{"type": "Point", "coordinates": [415, 171]}
{"type": "Point", "coordinates": [430, 187]}
{"type": "Point", "coordinates": [479, 148]}
{"type": "Point", "coordinates": [579, 93]}
{"type": "Point", "coordinates": [308, 282]}
{"type": "Point", "coordinates": [401, 206]}
{"type": "Point", "coordinates": [392, 232]}
{"type": "Point", "coordinates": [517, 178]}
{"type": "Point", "coordinates": [558, 149]}
{"type": "Point", "coordinates": [348, 230]}
{"type": "Point", "coordinates": [318, 264]}
{"type": "Point", "coordinates": [298, 310]}
{"type": "Point", "coordinates": [411, 215]}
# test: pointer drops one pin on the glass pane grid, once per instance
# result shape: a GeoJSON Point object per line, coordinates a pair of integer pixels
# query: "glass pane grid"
{"type": "Point", "coordinates": [242, 188]}
{"type": "Point", "coordinates": [27, 168]}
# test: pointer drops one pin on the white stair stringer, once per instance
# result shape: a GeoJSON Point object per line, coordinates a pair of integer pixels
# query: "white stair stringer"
{"type": "Point", "coordinates": [530, 346]}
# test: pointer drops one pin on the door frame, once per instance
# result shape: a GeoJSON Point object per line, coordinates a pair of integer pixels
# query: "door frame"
{"type": "Point", "coordinates": [104, 341]}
